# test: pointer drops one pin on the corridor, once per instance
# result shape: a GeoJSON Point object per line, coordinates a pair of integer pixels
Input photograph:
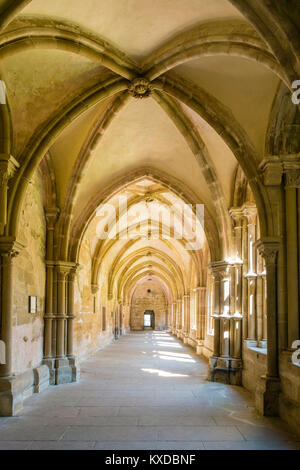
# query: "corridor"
{"type": "Point", "coordinates": [145, 391]}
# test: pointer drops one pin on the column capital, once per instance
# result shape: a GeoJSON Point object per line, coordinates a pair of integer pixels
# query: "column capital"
{"type": "Point", "coordinates": [95, 288]}
{"type": "Point", "coordinates": [273, 168]}
{"type": "Point", "coordinates": [219, 269]}
{"type": "Point", "coordinates": [236, 213]}
{"type": "Point", "coordinates": [65, 267]}
{"type": "Point", "coordinates": [292, 178]}
{"type": "Point", "coordinates": [199, 289]}
{"type": "Point", "coordinates": [8, 167]}
{"type": "Point", "coordinates": [10, 246]}
{"type": "Point", "coordinates": [272, 171]}
{"type": "Point", "coordinates": [51, 215]}
{"type": "Point", "coordinates": [250, 212]}
{"type": "Point", "coordinates": [268, 248]}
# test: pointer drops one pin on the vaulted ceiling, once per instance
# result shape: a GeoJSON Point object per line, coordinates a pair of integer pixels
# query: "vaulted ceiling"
{"type": "Point", "coordinates": [115, 92]}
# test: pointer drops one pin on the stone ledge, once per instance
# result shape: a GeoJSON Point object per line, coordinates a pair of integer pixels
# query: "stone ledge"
{"type": "Point", "coordinates": [15, 389]}
{"type": "Point", "coordinates": [41, 378]}
{"type": "Point", "coordinates": [225, 370]}
{"type": "Point", "coordinates": [267, 396]}
{"type": "Point", "coordinates": [289, 411]}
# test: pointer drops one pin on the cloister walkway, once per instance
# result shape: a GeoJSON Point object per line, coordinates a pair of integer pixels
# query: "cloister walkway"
{"type": "Point", "coordinates": [145, 391]}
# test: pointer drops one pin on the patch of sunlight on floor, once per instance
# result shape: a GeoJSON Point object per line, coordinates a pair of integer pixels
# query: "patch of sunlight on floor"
{"type": "Point", "coordinates": [175, 354]}
{"type": "Point", "coordinates": [176, 359]}
{"type": "Point", "coordinates": [169, 345]}
{"type": "Point", "coordinates": [163, 373]}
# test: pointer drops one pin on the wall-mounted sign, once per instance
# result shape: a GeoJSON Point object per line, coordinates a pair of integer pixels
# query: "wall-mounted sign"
{"type": "Point", "coordinates": [32, 304]}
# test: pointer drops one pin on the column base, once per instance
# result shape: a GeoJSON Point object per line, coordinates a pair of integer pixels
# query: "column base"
{"type": "Point", "coordinates": [62, 371]}
{"type": "Point", "coordinates": [49, 362]}
{"type": "Point", "coordinates": [75, 368]}
{"type": "Point", "coordinates": [15, 389]}
{"type": "Point", "coordinates": [185, 338]}
{"type": "Point", "coordinates": [199, 346]}
{"type": "Point", "coordinates": [267, 396]}
{"type": "Point", "coordinates": [11, 396]}
{"type": "Point", "coordinates": [225, 370]}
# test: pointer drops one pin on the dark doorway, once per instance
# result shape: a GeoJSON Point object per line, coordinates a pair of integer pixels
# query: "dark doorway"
{"type": "Point", "coordinates": [148, 320]}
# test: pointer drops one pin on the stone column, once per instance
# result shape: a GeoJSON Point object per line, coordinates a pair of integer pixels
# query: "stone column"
{"type": "Point", "coordinates": [71, 316]}
{"type": "Point", "coordinates": [259, 308]}
{"type": "Point", "coordinates": [61, 310]}
{"type": "Point", "coordinates": [244, 279]}
{"type": "Point", "coordinates": [251, 215]}
{"type": "Point", "coordinates": [63, 370]}
{"type": "Point", "coordinates": [8, 167]}
{"type": "Point", "coordinates": [186, 313]}
{"type": "Point", "coordinates": [11, 402]}
{"type": "Point", "coordinates": [200, 306]}
{"type": "Point", "coordinates": [267, 392]}
{"type": "Point", "coordinates": [51, 217]}
{"type": "Point", "coordinates": [265, 327]}
{"type": "Point", "coordinates": [292, 184]}
{"type": "Point", "coordinates": [174, 310]}
{"type": "Point", "coordinates": [178, 316]}
{"type": "Point", "coordinates": [217, 288]}
{"type": "Point", "coordinates": [224, 367]}
{"type": "Point", "coordinates": [252, 337]}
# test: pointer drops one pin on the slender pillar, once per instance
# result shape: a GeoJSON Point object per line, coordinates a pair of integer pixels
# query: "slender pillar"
{"type": "Point", "coordinates": [237, 351]}
{"type": "Point", "coordinates": [244, 279]}
{"type": "Point", "coordinates": [224, 367]}
{"type": "Point", "coordinates": [186, 314]}
{"type": "Point", "coordinates": [11, 401]}
{"type": "Point", "coordinates": [8, 167]}
{"type": "Point", "coordinates": [178, 315]}
{"type": "Point", "coordinates": [265, 326]}
{"type": "Point", "coordinates": [292, 247]}
{"type": "Point", "coordinates": [267, 393]}
{"type": "Point", "coordinates": [216, 310]}
{"type": "Point", "coordinates": [64, 366]}
{"type": "Point", "coordinates": [200, 307]}
{"type": "Point", "coordinates": [269, 251]}
{"type": "Point", "coordinates": [51, 217]}
{"type": "Point", "coordinates": [61, 309]}
{"type": "Point", "coordinates": [70, 316]}
{"type": "Point", "coordinates": [9, 249]}
{"type": "Point", "coordinates": [259, 308]}
{"type": "Point", "coordinates": [174, 311]}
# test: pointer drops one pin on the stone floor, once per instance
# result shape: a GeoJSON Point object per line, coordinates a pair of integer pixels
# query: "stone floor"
{"type": "Point", "coordinates": [145, 391]}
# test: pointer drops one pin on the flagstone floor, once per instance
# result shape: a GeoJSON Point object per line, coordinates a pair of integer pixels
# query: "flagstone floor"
{"type": "Point", "coordinates": [144, 391]}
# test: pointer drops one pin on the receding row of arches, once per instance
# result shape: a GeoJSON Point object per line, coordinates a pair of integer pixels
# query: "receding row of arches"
{"type": "Point", "coordinates": [150, 186]}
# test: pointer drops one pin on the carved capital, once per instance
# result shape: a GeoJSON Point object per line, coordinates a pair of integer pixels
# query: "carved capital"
{"type": "Point", "coordinates": [236, 214]}
{"type": "Point", "coordinates": [51, 215]}
{"type": "Point", "coordinates": [219, 269]}
{"type": "Point", "coordinates": [268, 248]}
{"type": "Point", "coordinates": [9, 246]}
{"type": "Point", "coordinates": [292, 178]}
{"type": "Point", "coordinates": [8, 167]}
{"type": "Point", "coordinates": [250, 212]}
{"type": "Point", "coordinates": [140, 88]}
{"type": "Point", "coordinates": [94, 288]}
{"type": "Point", "coordinates": [272, 171]}
{"type": "Point", "coordinates": [72, 274]}
{"type": "Point", "coordinates": [64, 268]}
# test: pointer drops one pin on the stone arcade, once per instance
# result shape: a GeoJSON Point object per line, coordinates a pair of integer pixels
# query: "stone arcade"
{"type": "Point", "coordinates": [162, 103]}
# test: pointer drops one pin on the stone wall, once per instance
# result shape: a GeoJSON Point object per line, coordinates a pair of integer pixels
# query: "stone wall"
{"type": "Point", "coordinates": [29, 279]}
{"type": "Point", "coordinates": [254, 366]}
{"type": "Point", "coordinates": [88, 333]}
{"type": "Point", "coordinates": [143, 300]}
{"type": "Point", "coordinates": [289, 400]}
